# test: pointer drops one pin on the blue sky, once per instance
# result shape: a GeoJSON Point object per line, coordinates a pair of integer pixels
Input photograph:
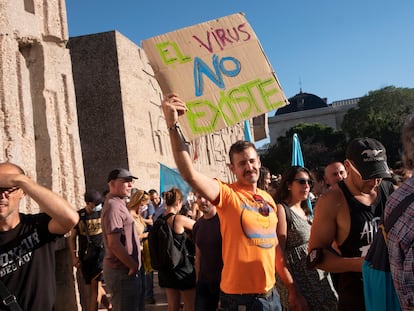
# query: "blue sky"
{"type": "Point", "coordinates": [334, 49]}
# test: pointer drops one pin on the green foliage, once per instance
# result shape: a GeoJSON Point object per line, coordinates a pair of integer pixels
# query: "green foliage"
{"type": "Point", "coordinates": [380, 115]}
{"type": "Point", "coordinates": [320, 145]}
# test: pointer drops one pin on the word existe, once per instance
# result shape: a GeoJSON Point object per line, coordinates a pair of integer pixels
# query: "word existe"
{"type": "Point", "coordinates": [251, 98]}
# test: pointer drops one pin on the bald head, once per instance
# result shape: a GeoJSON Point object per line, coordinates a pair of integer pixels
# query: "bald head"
{"type": "Point", "coordinates": [334, 172]}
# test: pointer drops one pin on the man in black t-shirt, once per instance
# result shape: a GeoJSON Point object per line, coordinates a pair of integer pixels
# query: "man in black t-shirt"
{"type": "Point", "coordinates": [208, 262]}
{"type": "Point", "coordinates": [27, 242]}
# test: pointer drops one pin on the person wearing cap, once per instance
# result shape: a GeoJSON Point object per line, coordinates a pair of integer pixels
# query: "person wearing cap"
{"type": "Point", "coordinates": [122, 262]}
{"type": "Point", "coordinates": [401, 235]}
{"type": "Point", "coordinates": [347, 215]}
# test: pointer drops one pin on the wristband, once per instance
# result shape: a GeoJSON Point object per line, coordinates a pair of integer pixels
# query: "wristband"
{"type": "Point", "coordinates": [174, 127]}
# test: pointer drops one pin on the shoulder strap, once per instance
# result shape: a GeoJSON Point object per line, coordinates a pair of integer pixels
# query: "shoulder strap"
{"type": "Point", "coordinates": [8, 299]}
{"type": "Point", "coordinates": [397, 212]}
{"type": "Point", "coordinates": [288, 213]}
{"type": "Point", "coordinates": [168, 216]}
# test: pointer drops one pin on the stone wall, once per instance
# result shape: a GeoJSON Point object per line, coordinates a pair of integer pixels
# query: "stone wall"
{"type": "Point", "coordinates": [121, 123]}
{"type": "Point", "coordinates": [38, 110]}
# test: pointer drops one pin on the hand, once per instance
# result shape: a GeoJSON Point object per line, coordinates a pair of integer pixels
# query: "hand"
{"type": "Point", "coordinates": [297, 302]}
{"type": "Point", "coordinates": [173, 107]}
{"type": "Point", "coordinates": [75, 261]}
{"type": "Point", "coordinates": [133, 271]}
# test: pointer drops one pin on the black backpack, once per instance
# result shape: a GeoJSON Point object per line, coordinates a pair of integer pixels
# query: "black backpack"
{"type": "Point", "coordinates": [165, 251]}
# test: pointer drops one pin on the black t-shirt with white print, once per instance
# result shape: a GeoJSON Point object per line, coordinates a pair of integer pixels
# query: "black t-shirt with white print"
{"type": "Point", "coordinates": [27, 262]}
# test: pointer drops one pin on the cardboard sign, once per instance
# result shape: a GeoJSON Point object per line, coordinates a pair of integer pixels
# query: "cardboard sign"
{"type": "Point", "coordinates": [219, 69]}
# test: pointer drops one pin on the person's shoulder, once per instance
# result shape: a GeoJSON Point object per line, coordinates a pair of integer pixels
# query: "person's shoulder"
{"type": "Point", "coordinates": [330, 199]}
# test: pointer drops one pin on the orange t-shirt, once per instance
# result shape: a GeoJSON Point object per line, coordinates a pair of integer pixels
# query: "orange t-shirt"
{"type": "Point", "coordinates": [249, 241]}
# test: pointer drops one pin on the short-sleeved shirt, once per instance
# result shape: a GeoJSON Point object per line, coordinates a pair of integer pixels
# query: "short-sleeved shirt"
{"type": "Point", "coordinates": [117, 219]}
{"type": "Point", "coordinates": [89, 228]}
{"type": "Point", "coordinates": [27, 262]}
{"type": "Point", "coordinates": [249, 241]}
{"type": "Point", "coordinates": [401, 246]}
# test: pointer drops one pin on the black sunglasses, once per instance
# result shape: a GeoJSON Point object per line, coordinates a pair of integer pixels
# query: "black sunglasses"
{"type": "Point", "coordinates": [304, 181]}
{"type": "Point", "coordinates": [264, 208]}
{"type": "Point", "coordinates": [8, 190]}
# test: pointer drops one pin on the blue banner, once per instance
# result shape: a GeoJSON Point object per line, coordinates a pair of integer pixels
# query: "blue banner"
{"type": "Point", "coordinates": [170, 178]}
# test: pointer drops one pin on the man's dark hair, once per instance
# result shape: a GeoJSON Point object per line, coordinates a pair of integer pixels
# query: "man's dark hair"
{"type": "Point", "coordinates": [94, 196]}
{"type": "Point", "coordinates": [238, 147]}
{"type": "Point", "coordinates": [152, 191]}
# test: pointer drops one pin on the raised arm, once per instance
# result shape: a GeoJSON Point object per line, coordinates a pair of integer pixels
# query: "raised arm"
{"type": "Point", "coordinates": [173, 107]}
{"type": "Point", "coordinates": [64, 217]}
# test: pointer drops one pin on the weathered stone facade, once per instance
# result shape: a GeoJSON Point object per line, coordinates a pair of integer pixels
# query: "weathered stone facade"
{"type": "Point", "coordinates": [121, 123]}
{"type": "Point", "coordinates": [38, 110]}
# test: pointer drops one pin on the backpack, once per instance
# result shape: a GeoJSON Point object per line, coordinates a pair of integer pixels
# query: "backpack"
{"type": "Point", "coordinates": [379, 291]}
{"type": "Point", "coordinates": [165, 251]}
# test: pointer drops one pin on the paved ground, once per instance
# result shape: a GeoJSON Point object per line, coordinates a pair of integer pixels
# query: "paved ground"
{"type": "Point", "coordinates": [160, 298]}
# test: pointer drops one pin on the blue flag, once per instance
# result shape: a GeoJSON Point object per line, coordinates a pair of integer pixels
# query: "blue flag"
{"type": "Point", "coordinates": [247, 134]}
{"type": "Point", "coordinates": [297, 159]}
{"type": "Point", "coordinates": [170, 178]}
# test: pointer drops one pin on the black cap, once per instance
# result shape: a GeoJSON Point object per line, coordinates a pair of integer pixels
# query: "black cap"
{"type": "Point", "coordinates": [120, 173]}
{"type": "Point", "coordinates": [369, 157]}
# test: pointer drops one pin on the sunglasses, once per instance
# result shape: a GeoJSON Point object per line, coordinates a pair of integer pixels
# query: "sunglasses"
{"type": "Point", "coordinates": [8, 191]}
{"type": "Point", "coordinates": [264, 208]}
{"type": "Point", "coordinates": [304, 181]}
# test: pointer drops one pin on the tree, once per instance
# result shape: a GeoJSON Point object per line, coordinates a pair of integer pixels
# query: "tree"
{"type": "Point", "coordinates": [320, 145]}
{"type": "Point", "coordinates": [380, 115]}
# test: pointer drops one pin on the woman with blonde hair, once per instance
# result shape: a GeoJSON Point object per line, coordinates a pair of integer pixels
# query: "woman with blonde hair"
{"type": "Point", "coordinates": [180, 282]}
{"type": "Point", "coordinates": [138, 201]}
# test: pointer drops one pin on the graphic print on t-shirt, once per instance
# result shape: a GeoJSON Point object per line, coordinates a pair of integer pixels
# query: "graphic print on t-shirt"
{"type": "Point", "coordinates": [258, 228]}
{"type": "Point", "coordinates": [20, 254]}
{"type": "Point", "coordinates": [368, 233]}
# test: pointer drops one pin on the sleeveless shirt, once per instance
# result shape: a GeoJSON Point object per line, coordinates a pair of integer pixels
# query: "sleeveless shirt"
{"type": "Point", "coordinates": [363, 226]}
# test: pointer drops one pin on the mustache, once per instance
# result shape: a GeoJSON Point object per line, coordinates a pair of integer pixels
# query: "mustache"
{"type": "Point", "coordinates": [249, 172]}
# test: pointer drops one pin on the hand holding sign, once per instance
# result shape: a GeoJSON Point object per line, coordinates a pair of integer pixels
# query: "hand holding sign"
{"type": "Point", "coordinates": [173, 107]}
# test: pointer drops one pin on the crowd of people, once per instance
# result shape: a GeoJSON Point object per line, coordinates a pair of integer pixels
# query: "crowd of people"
{"type": "Point", "coordinates": [292, 241]}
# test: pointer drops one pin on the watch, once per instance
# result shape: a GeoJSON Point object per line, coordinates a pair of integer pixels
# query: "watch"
{"type": "Point", "coordinates": [314, 257]}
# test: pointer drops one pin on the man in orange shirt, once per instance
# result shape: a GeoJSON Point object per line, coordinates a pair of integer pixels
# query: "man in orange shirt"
{"type": "Point", "coordinates": [247, 220]}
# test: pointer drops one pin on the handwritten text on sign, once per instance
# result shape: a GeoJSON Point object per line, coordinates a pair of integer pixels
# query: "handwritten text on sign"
{"type": "Point", "coordinates": [220, 71]}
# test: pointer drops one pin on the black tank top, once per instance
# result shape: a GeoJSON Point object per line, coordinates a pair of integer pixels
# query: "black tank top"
{"type": "Point", "coordinates": [363, 225]}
